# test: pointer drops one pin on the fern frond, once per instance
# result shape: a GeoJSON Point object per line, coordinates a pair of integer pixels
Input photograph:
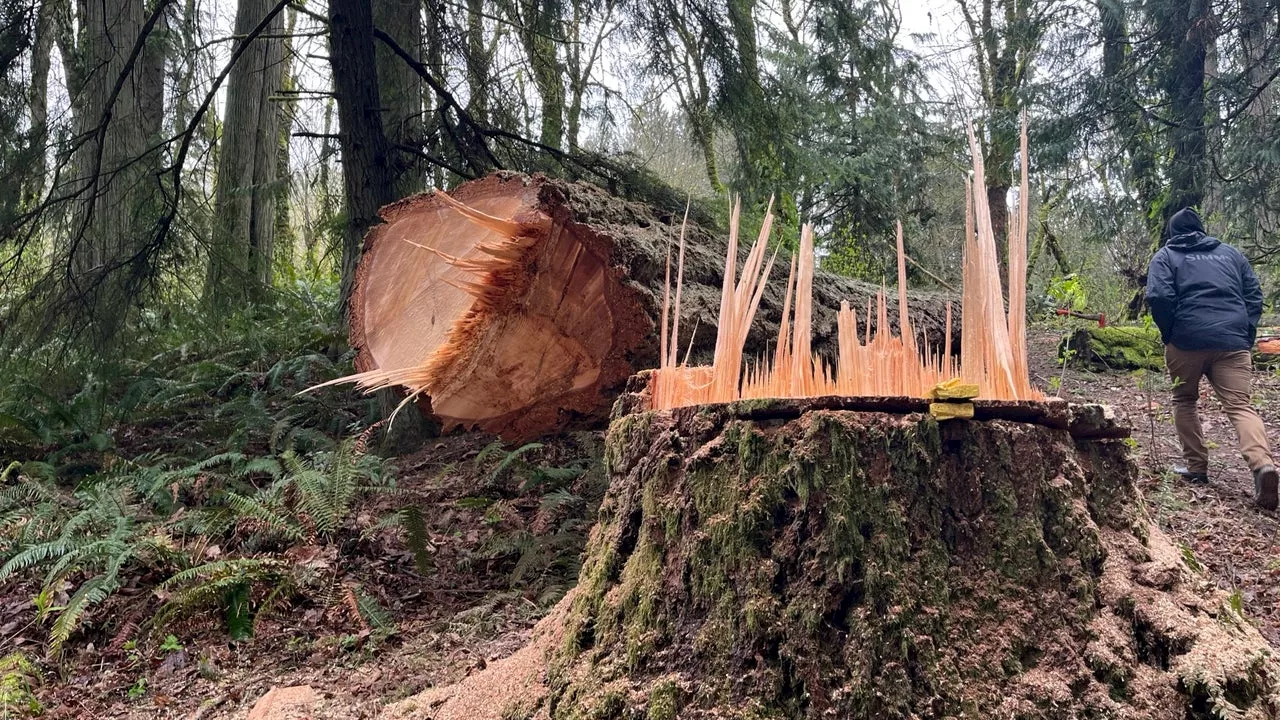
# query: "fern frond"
{"type": "Point", "coordinates": [273, 520]}
{"type": "Point", "coordinates": [557, 499]}
{"type": "Point", "coordinates": [259, 466]}
{"type": "Point", "coordinates": [89, 594]}
{"type": "Point", "coordinates": [510, 458]}
{"type": "Point", "coordinates": [489, 450]}
{"type": "Point", "coordinates": [34, 555]}
{"type": "Point", "coordinates": [371, 611]}
{"type": "Point", "coordinates": [239, 567]}
{"type": "Point", "coordinates": [417, 537]}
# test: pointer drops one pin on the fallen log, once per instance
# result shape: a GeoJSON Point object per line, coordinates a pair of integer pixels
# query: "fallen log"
{"type": "Point", "coordinates": [522, 304]}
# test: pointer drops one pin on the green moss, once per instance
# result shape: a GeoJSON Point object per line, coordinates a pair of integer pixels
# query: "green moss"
{"type": "Point", "coordinates": [1115, 348]}
{"type": "Point", "coordinates": [744, 407]}
{"type": "Point", "coordinates": [662, 701]}
{"type": "Point", "coordinates": [18, 678]}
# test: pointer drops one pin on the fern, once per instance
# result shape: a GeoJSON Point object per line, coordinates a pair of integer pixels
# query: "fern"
{"type": "Point", "coordinates": [35, 555]}
{"type": "Point", "coordinates": [371, 612]}
{"type": "Point", "coordinates": [212, 584]}
{"type": "Point", "coordinates": [90, 593]}
{"type": "Point", "coordinates": [271, 518]}
{"type": "Point", "coordinates": [418, 539]}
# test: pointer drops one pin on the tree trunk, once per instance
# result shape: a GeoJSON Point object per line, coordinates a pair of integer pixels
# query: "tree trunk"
{"type": "Point", "coordinates": [809, 559]}
{"type": "Point", "coordinates": [435, 28]}
{"type": "Point", "coordinates": [546, 337]}
{"type": "Point", "coordinates": [703, 130]}
{"type": "Point", "coordinates": [240, 261]}
{"type": "Point", "coordinates": [41, 52]}
{"type": "Point", "coordinates": [368, 178]}
{"type": "Point", "coordinates": [321, 230]}
{"type": "Point", "coordinates": [479, 63]}
{"type": "Point", "coordinates": [286, 236]}
{"type": "Point", "coordinates": [579, 73]}
{"type": "Point", "coordinates": [400, 88]}
{"type": "Point", "coordinates": [751, 115]}
{"type": "Point", "coordinates": [1257, 22]}
{"type": "Point", "coordinates": [1186, 29]}
{"type": "Point", "coordinates": [117, 179]}
{"type": "Point", "coordinates": [541, 24]}
{"type": "Point", "coordinates": [182, 102]}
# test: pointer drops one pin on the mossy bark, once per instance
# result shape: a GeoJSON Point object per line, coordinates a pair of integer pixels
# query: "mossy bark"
{"type": "Point", "coordinates": [872, 565]}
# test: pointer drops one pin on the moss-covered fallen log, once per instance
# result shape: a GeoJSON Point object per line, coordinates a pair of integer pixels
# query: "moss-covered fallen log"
{"type": "Point", "coordinates": [1116, 347]}
{"type": "Point", "coordinates": [1123, 347]}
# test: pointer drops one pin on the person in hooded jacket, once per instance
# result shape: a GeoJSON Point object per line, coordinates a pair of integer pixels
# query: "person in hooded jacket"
{"type": "Point", "coordinates": [1206, 300]}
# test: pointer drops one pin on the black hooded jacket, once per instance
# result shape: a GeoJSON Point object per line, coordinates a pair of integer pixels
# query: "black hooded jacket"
{"type": "Point", "coordinates": [1203, 294]}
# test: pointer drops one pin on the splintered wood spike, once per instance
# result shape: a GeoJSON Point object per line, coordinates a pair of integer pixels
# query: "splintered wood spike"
{"type": "Point", "coordinates": [993, 353]}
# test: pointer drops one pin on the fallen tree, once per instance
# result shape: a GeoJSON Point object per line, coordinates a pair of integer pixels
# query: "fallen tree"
{"type": "Point", "coordinates": [807, 558]}
{"type": "Point", "coordinates": [523, 303]}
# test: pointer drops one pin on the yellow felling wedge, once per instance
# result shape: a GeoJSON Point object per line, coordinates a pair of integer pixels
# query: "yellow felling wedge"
{"type": "Point", "coordinates": [951, 410]}
{"type": "Point", "coordinates": [953, 389]}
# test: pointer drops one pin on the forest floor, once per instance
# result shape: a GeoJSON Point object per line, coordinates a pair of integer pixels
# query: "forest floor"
{"type": "Point", "coordinates": [1237, 543]}
{"type": "Point", "coordinates": [477, 605]}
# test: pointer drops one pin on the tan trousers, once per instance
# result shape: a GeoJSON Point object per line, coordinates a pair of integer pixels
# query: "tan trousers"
{"type": "Point", "coordinates": [1230, 372]}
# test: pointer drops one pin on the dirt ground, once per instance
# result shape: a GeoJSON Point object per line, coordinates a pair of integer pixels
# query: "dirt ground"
{"type": "Point", "coordinates": [1236, 542]}
{"type": "Point", "coordinates": [464, 617]}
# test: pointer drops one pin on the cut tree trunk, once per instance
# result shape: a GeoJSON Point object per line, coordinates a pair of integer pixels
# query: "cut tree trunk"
{"type": "Point", "coordinates": [797, 559]}
{"type": "Point", "coordinates": [545, 336]}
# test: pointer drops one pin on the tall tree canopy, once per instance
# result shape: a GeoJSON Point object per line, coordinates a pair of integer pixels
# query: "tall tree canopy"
{"type": "Point", "coordinates": [155, 151]}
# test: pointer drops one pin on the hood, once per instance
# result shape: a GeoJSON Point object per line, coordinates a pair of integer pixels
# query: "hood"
{"type": "Point", "coordinates": [1186, 232]}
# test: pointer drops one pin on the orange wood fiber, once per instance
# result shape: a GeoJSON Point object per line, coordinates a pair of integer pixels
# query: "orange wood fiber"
{"type": "Point", "coordinates": [993, 352]}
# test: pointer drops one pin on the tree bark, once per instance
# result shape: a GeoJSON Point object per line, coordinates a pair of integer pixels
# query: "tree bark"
{"type": "Point", "coordinates": [119, 113]}
{"type": "Point", "coordinates": [1257, 23]}
{"type": "Point", "coordinates": [540, 23]}
{"type": "Point", "coordinates": [368, 176]}
{"type": "Point", "coordinates": [400, 89]}
{"type": "Point", "coordinates": [240, 261]}
{"type": "Point", "coordinates": [435, 29]}
{"type": "Point", "coordinates": [41, 53]}
{"type": "Point", "coordinates": [1186, 29]}
{"type": "Point", "coordinates": [479, 56]}
{"type": "Point", "coordinates": [558, 328]}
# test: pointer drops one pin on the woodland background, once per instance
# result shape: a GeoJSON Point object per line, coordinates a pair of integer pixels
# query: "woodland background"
{"type": "Point", "coordinates": [184, 186]}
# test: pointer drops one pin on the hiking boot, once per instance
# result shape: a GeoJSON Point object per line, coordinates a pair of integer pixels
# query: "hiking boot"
{"type": "Point", "coordinates": [1191, 476]}
{"type": "Point", "coordinates": [1265, 482]}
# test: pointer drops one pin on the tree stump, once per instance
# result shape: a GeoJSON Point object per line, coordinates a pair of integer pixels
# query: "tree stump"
{"type": "Point", "coordinates": [545, 336]}
{"type": "Point", "coordinates": [772, 560]}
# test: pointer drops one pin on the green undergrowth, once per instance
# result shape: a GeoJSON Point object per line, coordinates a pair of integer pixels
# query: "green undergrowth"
{"type": "Point", "coordinates": [187, 463]}
{"type": "Point", "coordinates": [18, 680]}
{"type": "Point", "coordinates": [183, 480]}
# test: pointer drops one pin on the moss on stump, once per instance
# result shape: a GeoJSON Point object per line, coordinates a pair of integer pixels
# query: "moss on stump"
{"type": "Point", "coordinates": [1114, 348]}
{"type": "Point", "coordinates": [845, 564]}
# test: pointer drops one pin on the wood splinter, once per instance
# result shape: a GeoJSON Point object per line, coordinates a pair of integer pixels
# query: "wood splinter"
{"type": "Point", "coordinates": [993, 354]}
